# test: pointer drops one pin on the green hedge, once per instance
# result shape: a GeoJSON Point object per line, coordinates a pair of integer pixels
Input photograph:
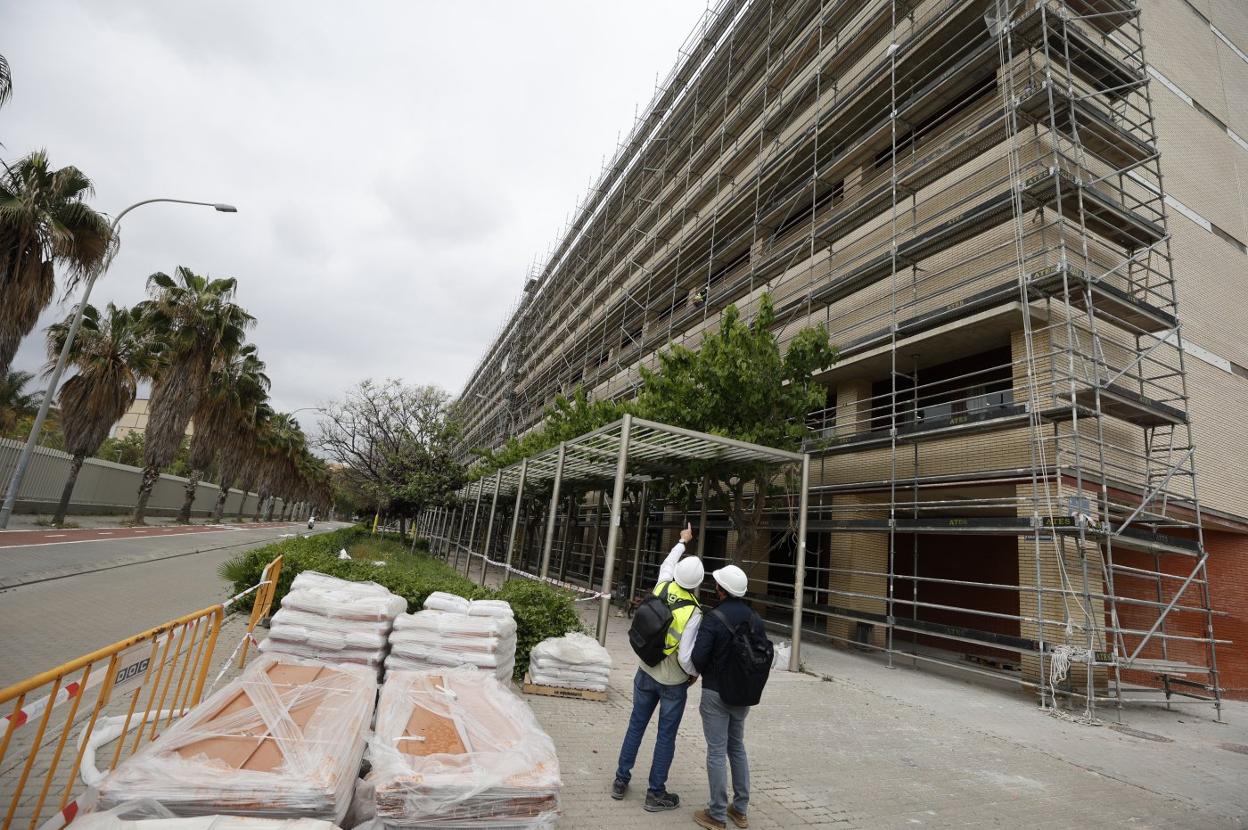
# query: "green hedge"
{"type": "Point", "coordinates": [541, 611]}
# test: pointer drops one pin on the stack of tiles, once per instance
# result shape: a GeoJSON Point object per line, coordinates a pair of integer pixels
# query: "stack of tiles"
{"type": "Point", "coordinates": [331, 619]}
{"type": "Point", "coordinates": [456, 748]}
{"type": "Point", "coordinates": [283, 740]}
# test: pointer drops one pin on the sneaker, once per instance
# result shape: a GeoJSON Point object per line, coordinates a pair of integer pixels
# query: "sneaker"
{"type": "Point", "coordinates": [703, 819]}
{"type": "Point", "coordinates": [658, 802]}
{"type": "Point", "coordinates": [738, 818]}
{"type": "Point", "coordinates": [618, 787]}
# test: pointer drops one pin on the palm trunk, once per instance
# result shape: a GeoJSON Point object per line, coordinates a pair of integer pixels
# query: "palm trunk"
{"type": "Point", "coordinates": [150, 475]}
{"type": "Point", "coordinates": [259, 505]}
{"type": "Point", "coordinates": [268, 513]}
{"type": "Point", "coordinates": [192, 484]}
{"type": "Point", "coordinates": [218, 510]}
{"type": "Point", "coordinates": [68, 492]}
{"type": "Point", "coordinates": [242, 502]}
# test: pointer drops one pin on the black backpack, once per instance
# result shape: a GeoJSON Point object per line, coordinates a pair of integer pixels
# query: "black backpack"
{"type": "Point", "coordinates": [747, 665]}
{"type": "Point", "coordinates": [648, 632]}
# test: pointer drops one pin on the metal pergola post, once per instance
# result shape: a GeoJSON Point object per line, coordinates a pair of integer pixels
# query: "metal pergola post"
{"type": "Point", "coordinates": [489, 528]}
{"type": "Point", "coordinates": [641, 532]}
{"type": "Point", "coordinates": [515, 520]}
{"type": "Point", "coordinates": [472, 530]}
{"type": "Point", "coordinates": [554, 511]}
{"type": "Point", "coordinates": [458, 538]}
{"type": "Point", "coordinates": [799, 567]}
{"type": "Point", "coordinates": [613, 530]}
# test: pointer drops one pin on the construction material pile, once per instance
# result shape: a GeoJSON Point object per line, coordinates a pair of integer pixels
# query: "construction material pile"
{"type": "Point", "coordinates": [148, 815]}
{"type": "Point", "coordinates": [282, 740]}
{"type": "Point", "coordinates": [574, 661]}
{"type": "Point", "coordinates": [452, 631]}
{"type": "Point", "coordinates": [457, 748]}
{"type": "Point", "coordinates": [331, 619]}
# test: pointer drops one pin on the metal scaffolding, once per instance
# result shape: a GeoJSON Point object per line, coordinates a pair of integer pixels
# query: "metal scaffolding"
{"type": "Point", "coordinates": [968, 195]}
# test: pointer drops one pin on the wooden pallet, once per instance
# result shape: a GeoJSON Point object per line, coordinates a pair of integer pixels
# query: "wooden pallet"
{"type": "Point", "coordinates": [531, 688]}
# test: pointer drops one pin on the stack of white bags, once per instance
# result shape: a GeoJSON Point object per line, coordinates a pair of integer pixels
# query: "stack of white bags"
{"type": "Point", "coordinates": [575, 661]}
{"type": "Point", "coordinates": [331, 619]}
{"type": "Point", "coordinates": [452, 631]}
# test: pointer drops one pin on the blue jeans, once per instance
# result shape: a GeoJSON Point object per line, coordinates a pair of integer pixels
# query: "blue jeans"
{"type": "Point", "coordinates": [724, 727]}
{"type": "Point", "coordinates": [647, 694]}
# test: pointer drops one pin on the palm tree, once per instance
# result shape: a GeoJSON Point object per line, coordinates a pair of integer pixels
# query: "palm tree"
{"type": "Point", "coordinates": [244, 459]}
{"type": "Point", "coordinates": [14, 403]}
{"type": "Point", "coordinates": [43, 220]}
{"type": "Point", "coordinates": [197, 323]}
{"type": "Point", "coordinates": [236, 386]}
{"type": "Point", "coordinates": [6, 80]}
{"type": "Point", "coordinates": [111, 355]}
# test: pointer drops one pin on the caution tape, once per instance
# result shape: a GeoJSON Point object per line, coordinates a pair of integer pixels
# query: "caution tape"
{"type": "Point", "coordinates": [67, 692]}
{"type": "Point", "coordinates": [247, 635]}
{"type": "Point", "coordinates": [547, 579]}
{"type": "Point", "coordinates": [225, 606]}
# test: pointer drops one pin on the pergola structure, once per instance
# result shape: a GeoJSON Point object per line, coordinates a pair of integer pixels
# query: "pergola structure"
{"type": "Point", "coordinates": [628, 451]}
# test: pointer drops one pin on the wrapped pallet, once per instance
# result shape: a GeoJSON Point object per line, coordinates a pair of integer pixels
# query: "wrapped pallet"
{"type": "Point", "coordinates": [282, 740]}
{"type": "Point", "coordinates": [433, 639]}
{"type": "Point", "coordinates": [574, 661]}
{"type": "Point", "coordinates": [457, 748]}
{"type": "Point", "coordinates": [149, 815]}
{"type": "Point", "coordinates": [332, 619]}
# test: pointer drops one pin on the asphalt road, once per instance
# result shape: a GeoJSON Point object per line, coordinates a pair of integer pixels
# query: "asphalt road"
{"type": "Point", "coordinates": [59, 600]}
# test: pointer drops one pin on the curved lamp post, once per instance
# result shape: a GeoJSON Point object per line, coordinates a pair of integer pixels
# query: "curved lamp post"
{"type": "Point", "coordinates": [23, 461]}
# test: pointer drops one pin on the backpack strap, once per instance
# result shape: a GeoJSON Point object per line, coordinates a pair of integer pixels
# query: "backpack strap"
{"type": "Point", "coordinates": [680, 603]}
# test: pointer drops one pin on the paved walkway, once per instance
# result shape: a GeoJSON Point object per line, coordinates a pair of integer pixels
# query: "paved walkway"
{"type": "Point", "coordinates": [871, 747]}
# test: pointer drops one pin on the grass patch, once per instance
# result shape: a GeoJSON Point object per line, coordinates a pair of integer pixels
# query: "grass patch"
{"type": "Point", "coordinates": [46, 521]}
{"type": "Point", "coordinates": [541, 611]}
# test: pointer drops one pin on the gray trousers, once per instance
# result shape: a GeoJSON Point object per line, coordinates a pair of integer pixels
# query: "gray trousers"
{"type": "Point", "coordinates": [724, 727]}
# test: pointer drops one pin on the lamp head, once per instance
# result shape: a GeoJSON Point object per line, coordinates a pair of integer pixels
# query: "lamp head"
{"type": "Point", "coordinates": [224, 208]}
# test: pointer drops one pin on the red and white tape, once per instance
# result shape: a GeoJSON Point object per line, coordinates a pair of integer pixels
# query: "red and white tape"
{"type": "Point", "coordinates": [33, 710]}
{"type": "Point", "coordinates": [580, 589]}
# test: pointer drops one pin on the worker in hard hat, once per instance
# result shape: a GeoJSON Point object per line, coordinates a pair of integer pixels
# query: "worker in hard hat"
{"type": "Point", "coordinates": [723, 723]}
{"type": "Point", "coordinates": [666, 684]}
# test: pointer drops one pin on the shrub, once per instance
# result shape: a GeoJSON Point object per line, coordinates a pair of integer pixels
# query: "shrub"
{"type": "Point", "coordinates": [541, 611]}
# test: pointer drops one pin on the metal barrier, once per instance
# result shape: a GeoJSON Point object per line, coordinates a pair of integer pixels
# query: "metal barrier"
{"type": "Point", "coordinates": [143, 681]}
{"type": "Point", "coordinates": [263, 602]}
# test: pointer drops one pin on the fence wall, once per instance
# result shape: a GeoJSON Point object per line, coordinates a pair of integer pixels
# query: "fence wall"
{"type": "Point", "coordinates": [106, 487]}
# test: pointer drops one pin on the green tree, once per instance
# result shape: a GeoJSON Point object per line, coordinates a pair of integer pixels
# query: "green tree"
{"type": "Point", "coordinates": [237, 384]}
{"type": "Point", "coordinates": [110, 355]}
{"type": "Point", "coordinates": [127, 450]}
{"type": "Point", "coordinates": [16, 403]}
{"type": "Point", "coordinates": [199, 326]}
{"type": "Point", "coordinates": [740, 384]}
{"type": "Point", "coordinates": [43, 222]}
{"type": "Point", "coordinates": [396, 445]}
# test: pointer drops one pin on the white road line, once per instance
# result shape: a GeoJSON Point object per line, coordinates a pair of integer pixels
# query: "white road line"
{"type": "Point", "coordinates": [55, 535]}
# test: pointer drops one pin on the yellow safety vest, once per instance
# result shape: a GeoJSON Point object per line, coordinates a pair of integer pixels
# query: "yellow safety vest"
{"type": "Point", "coordinates": [680, 616]}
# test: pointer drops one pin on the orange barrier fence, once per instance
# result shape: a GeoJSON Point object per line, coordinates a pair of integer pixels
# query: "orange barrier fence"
{"type": "Point", "coordinates": [136, 685]}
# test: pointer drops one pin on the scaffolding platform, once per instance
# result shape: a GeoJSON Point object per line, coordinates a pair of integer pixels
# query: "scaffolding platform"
{"type": "Point", "coordinates": [1113, 302]}
{"type": "Point", "coordinates": [1128, 406]}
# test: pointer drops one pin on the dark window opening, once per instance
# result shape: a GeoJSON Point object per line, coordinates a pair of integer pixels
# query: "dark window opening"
{"type": "Point", "coordinates": [975, 386]}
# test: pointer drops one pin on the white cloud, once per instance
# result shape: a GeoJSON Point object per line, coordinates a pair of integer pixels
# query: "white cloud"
{"type": "Point", "coordinates": [397, 166]}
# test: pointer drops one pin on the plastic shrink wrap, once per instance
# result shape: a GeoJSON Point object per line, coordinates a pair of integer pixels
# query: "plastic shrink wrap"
{"type": "Point", "coordinates": [432, 639]}
{"type": "Point", "coordinates": [458, 749]}
{"type": "Point", "coordinates": [574, 660]}
{"type": "Point", "coordinates": [282, 740]}
{"type": "Point", "coordinates": [148, 815]}
{"type": "Point", "coordinates": [332, 619]}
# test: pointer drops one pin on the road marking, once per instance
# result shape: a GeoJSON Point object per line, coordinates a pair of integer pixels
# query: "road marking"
{"type": "Point", "coordinates": [55, 535]}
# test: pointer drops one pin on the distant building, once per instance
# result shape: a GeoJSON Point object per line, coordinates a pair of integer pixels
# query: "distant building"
{"type": "Point", "coordinates": [135, 419]}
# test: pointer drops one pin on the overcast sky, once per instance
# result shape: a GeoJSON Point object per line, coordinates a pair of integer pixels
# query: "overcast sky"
{"type": "Point", "coordinates": [397, 166]}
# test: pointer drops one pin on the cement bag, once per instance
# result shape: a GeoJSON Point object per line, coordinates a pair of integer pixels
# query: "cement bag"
{"type": "Point", "coordinates": [442, 601]}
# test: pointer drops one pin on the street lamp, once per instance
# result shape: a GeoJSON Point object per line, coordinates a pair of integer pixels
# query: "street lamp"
{"type": "Point", "coordinates": [23, 461]}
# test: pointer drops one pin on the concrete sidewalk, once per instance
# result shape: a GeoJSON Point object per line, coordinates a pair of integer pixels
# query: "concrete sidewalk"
{"type": "Point", "coordinates": [872, 747]}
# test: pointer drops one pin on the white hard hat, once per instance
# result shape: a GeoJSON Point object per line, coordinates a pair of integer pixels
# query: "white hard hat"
{"type": "Point", "coordinates": [732, 579]}
{"type": "Point", "coordinates": [689, 573]}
